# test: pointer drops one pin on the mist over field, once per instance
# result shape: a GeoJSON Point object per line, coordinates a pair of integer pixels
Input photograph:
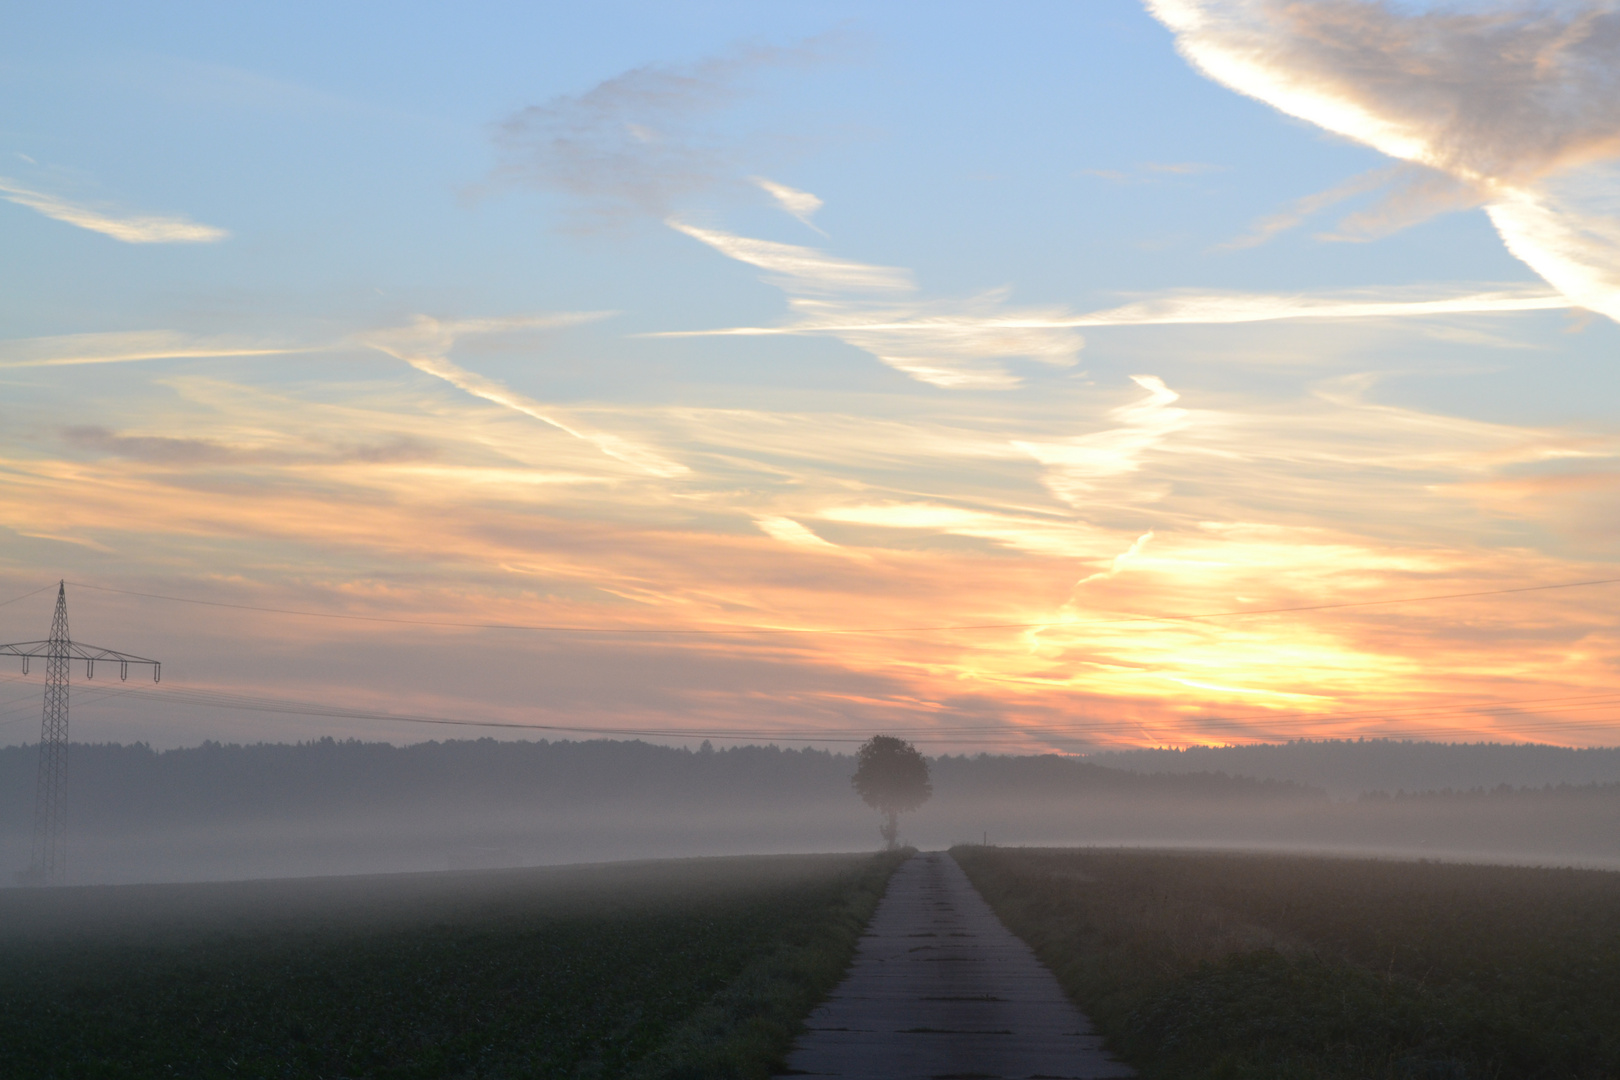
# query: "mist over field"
{"type": "Point", "coordinates": [218, 812]}
{"type": "Point", "coordinates": [1347, 768]}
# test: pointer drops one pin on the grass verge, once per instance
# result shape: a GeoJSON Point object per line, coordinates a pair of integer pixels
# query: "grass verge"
{"type": "Point", "coordinates": [1224, 966]}
{"type": "Point", "coordinates": [745, 1031]}
{"type": "Point", "coordinates": [700, 967]}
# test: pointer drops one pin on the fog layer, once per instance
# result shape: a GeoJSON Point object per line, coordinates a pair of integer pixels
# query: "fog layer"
{"type": "Point", "coordinates": [222, 812]}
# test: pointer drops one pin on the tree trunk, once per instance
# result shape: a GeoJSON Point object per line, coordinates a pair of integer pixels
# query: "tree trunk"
{"type": "Point", "coordinates": [891, 829]}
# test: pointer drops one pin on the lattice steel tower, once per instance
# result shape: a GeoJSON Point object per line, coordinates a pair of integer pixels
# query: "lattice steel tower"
{"type": "Point", "coordinates": [48, 861]}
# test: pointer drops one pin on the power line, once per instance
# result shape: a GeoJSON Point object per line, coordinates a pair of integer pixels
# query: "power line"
{"type": "Point", "coordinates": [1443, 710]}
{"type": "Point", "coordinates": [783, 630]}
{"type": "Point", "coordinates": [956, 735]}
{"type": "Point", "coordinates": [960, 735]}
{"type": "Point", "coordinates": [24, 596]}
{"type": "Point", "coordinates": [1598, 699]}
{"type": "Point", "coordinates": [82, 698]}
{"type": "Point", "coordinates": [1000, 734]}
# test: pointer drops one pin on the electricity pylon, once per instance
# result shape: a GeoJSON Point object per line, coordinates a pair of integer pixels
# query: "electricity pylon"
{"type": "Point", "coordinates": [49, 858]}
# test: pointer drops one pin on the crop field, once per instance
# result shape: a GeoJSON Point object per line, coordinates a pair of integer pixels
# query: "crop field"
{"type": "Point", "coordinates": [698, 967]}
{"type": "Point", "coordinates": [1226, 965]}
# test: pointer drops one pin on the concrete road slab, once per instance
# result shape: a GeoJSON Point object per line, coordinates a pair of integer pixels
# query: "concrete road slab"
{"type": "Point", "coordinates": [940, 990]}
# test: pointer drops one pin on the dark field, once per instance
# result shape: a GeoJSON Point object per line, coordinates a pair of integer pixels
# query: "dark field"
{"type": "Point", "coordinates": [700, 967]}
{"type": "Point", "coordinates": [1198, 965]}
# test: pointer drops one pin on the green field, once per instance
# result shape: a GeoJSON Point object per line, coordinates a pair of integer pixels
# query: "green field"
{"type": "Point", "coordinates": [1223, 965]}
{"type": "Point", "coordinates": [698, 967]}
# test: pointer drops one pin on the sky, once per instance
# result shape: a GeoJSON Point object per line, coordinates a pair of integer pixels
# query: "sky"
{"type": "Point", "coordinates": [1018, 377]}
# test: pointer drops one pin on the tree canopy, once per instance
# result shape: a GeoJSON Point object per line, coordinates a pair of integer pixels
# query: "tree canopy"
{"type": "Point", "coordinates": [891, 776]}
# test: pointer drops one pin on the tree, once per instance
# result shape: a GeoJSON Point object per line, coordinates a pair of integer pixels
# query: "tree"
{"type": "Point", "coordinates": [891, 776]}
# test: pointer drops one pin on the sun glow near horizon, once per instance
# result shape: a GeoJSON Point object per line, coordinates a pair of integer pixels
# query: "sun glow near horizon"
{"type": "Point", "coordinates": [716, 403]}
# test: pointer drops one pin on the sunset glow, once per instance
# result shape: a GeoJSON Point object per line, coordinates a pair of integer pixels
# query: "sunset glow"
{"type": "Point", "coordinates": [871, 378]}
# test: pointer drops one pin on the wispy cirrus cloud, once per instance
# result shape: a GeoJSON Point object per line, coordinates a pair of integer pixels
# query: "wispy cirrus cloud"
{"type": "Point", "coordinates": [1514, 103]}
{"type": "Point", "coordinates": [802, 271]}
{"type": "Point", "coordinates": [1301, 209]}
{"type": "Point", "coordinates": [791, 532]}
{"type": "Point", "coordinates": [954, 344]}
{"type": "Point", "coordinates": [957, 344]}
{"type": "Point", "coordinates": [1119, 562]}
{"type": "Point", "coordinates": [189, 452]}
{"type": "Point", "coordinates": [1209, 308]}
{"type": "Point", "coordinates": [1411, 194]}
{"type": "Point", "coordinates": [1078, 464]}
{"type": "Point", "coordinates": [117, 347]}
{"type": "Point", "coordinates": [130, 228]}
{"type": "Point", "coordinates": [801, 204]}
{"type": "Point", "coordinates": [426, 343]}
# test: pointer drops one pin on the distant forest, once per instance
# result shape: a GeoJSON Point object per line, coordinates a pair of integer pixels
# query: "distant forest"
{"type": "Point", "coordinates": [120, 784]}
{"type": "Point", "coordinates": [219, 811]}
{"type": "Point", "coordinates": [114, 783]}
{"type": "Point", "coordinates": [1352, 766]}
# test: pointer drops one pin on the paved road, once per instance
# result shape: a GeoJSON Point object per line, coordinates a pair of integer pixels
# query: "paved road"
{"type": "Point", "coordinates": [940, 989]}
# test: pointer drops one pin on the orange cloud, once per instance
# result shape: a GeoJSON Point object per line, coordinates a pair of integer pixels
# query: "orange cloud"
{"type": "Point", "coordinates": [948, 525]}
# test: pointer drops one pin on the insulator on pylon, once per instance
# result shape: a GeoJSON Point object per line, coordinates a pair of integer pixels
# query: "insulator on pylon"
{"type": "Point", "coordinates": [59, 650]}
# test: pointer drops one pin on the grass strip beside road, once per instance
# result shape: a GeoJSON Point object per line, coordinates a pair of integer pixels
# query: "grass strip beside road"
{"type": "Point", "coordinates": [746, 1030]}
{"type": "Point", "coordinates": [1200, 966]}
{"type": "Point", "coordinates": [696, 967]}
